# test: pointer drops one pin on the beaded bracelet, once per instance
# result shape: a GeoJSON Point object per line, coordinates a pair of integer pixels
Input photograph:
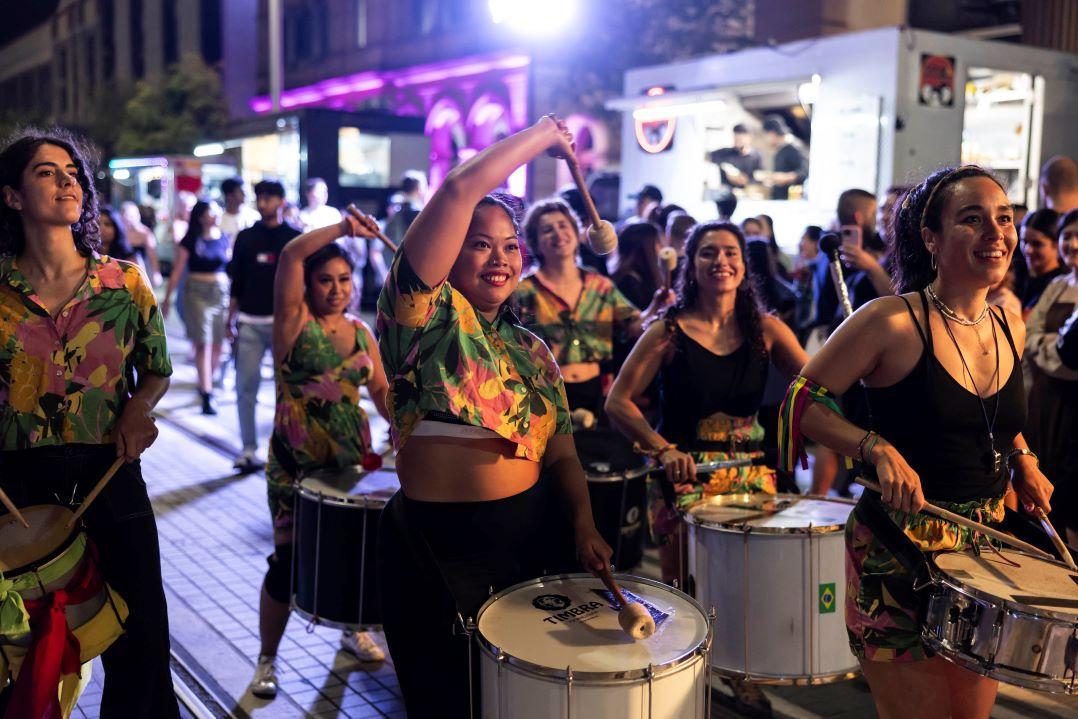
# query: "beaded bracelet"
{"type": "Point", "coordinates": [861, 445]}
{"type": "Point", "coordinates": [640, 449]}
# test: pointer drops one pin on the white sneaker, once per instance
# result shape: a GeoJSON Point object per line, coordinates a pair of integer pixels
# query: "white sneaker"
{"type": "Point", "coordinates": [264, 684]}
{"type": "Point", "coordinates": [247, 463]}
{"type": "Point", "coordinates": [363, 646]}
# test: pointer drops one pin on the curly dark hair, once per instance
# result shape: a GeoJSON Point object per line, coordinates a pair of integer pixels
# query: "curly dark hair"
{"type": "Point", "coordinates": [531, 223]}
{"type": "Point", "coordinates": [19, 150]}
{"type": "Point", "coordinates": [747, 310]}
{"type": "Point", "coordinates": [921, 207]}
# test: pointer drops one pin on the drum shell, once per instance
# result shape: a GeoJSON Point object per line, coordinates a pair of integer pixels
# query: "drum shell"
{"type": "Point", "coordinates": [766, 589]}
{"type": "Point", "coordinates": [336, 547]}
{"type": "Point", "coordinates": [619, 506]}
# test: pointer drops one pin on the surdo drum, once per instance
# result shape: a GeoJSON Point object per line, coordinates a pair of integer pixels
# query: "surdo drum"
{"type": "Point", "coordinates": [1017, 624]}
{"type": "Point", "coordinates": [552, 647]}
{"type": "Point", "coordinates": [336, 530]}
{"type": "Point", "coordinates": [773, 567]}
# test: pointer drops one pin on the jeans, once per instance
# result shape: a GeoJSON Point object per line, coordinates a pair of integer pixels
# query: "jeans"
{"type": "Point", "coordinates": [252, 343]}
{"type": "Point", "coordinates": [138, 681]}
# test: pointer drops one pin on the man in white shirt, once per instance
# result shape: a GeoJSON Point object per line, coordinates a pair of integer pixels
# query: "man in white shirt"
{"type": "Point", "coordinates": [316, 213]}
{"type": "Point", "coordinates": [238, 216]}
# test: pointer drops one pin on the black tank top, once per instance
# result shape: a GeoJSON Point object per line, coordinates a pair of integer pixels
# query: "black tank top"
{"type": "Point", "coordinates": [698, 383]}
{"type": "Point", "coordinates": [938, 426]}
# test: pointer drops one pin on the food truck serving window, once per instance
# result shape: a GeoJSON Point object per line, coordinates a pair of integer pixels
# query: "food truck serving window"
{"type": "Point", "coordinates": [363, 158]}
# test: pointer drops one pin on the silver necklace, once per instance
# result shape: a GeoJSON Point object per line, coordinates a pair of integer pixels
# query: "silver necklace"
{"type": "Point", "coordinates": [951, 314]}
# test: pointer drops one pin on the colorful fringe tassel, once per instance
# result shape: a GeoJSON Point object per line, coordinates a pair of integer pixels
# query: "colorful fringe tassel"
{"type": "Point", "coordinates": [791, 443]}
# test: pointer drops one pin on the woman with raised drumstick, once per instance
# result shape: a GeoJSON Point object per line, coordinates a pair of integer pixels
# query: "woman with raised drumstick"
{"type": "Point", "coordinates": [82, 364]}
{"type": "Point", "coordinates": [478, 409]}
{"type": "Point", "coordinates": [944, 384]}
{"type": "Point", "coordinates": [323, 357]}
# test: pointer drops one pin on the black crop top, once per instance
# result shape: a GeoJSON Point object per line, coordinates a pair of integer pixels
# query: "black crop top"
{"type": "Point", "coordinates": [697, 383]}
{"type": "Point", "coordinates": [207, 254]}
{"type": "Point", "coordinates": [938, 426]}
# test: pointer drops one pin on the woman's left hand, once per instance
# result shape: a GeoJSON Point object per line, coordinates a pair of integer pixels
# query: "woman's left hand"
{"type": "Point", "coordinates": [592, 549]}
{"type": "Point", "coordinates": [135, 431]}
{"type": "Point", "coordinates": [1032, 487]}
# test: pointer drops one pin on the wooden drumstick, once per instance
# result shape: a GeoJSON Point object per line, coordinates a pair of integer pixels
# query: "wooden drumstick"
{"type": "Point", "coordinates": [94, 492]}
{"type": "Point", "coordinates": [359, 214]}
{"type": "Point", "coordinates": [11, 508]}
{"type": "Point", "coordinates": [634, 617]}
{"type": "Point", "coordinates": [967, 523]}
{"type": "Point", "coordinates": [1057, 541]}
{"type": "Point", "coordinates": [667, 263]}
{"type": "Point", "coordinates": [601, 235]}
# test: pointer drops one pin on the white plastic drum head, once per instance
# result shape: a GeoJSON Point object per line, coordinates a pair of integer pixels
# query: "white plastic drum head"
{"type": "Point", "coordinates": [569, 621]}
{"type": "Point", "coordinates": [1033, 583]}
{"type": "Point", "coordinates": [777, 513]}
{"type": "Point", "coordinates": [353, 484]}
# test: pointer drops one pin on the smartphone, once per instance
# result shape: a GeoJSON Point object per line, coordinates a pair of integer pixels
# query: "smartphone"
{"type": "Point", "coordinates": [851, 235]}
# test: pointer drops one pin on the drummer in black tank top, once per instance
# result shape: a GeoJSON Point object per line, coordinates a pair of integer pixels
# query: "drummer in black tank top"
{"type": "Point", "coordinates": [943, 377]}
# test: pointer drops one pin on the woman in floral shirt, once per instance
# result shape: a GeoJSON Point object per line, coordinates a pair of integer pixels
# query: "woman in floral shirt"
{"type": "Point", "coordinates": [478, 409]}
{"type": "Point", "coordinates": [323, 356]}
{"type": "Point", "coordinates": [82, 363]}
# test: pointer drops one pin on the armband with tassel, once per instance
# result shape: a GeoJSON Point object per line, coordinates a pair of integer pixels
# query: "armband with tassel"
{"type": "Point", "coordinates": [801, 393]}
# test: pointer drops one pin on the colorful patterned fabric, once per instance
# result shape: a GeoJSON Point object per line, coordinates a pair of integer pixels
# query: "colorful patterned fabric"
{"type": "Point", "coordinates": [735, 480]}
{"type": "Point", "coordinates": [882, 610]}
{"type": "Point", "coordinates": [584, 332]}
{"type": "Point", "coordinates": [65, 380]}
{"type": "Point", "coordinates": [319, 420]}
{"type": "Point", "coordinates": [441, 355]}
{"type": "Point", "coordinates": [800, 393]}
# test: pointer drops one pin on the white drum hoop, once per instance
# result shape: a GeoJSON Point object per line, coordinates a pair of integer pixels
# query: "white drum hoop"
{"type": "Point", "coordinates": [739, 526]}
{"type": "Point", "coordinates": [359, 501]}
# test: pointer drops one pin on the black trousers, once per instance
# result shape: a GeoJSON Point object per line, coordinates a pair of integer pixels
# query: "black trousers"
{"type": "Point", "coordinates": [438, 562]}
{"type": "Point", "coordinates": [138, 681]}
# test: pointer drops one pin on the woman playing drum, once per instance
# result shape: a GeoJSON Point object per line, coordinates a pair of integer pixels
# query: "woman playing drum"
{"type": "Point", "coordinates": [83, 362]}
{"type": "Point", "coordinates": [944, 384]}
{"type": "Point", "coordinates": [323, 356]}
{"type": "Point", "coordinates": [479, 410]}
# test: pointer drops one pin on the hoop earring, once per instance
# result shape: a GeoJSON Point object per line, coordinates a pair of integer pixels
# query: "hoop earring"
{"type": "Point", "coordinates": [932, 262]}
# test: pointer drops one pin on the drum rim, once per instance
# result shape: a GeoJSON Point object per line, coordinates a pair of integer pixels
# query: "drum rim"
{"type": "Point", "coordinates": [561, 675]}
{"type": "Point", "coordinates": [740, 528]}
{"type": "Point", "coordinates": [623, 476]}
{"type": "Point", "coordinates": [39, 564]}
{"type": "Point", "coordinates": [943, 579]}
{"type": "Point", "coordinates": [999, 672]}
{"type": "Point", "coordinates": [324, 498]}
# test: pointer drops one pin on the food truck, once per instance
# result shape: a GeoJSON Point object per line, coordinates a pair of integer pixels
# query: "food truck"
{"type": "Point", "coordinates": [867, 110]}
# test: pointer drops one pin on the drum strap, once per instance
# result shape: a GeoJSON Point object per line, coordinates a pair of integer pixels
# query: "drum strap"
{"type": "Point", "coordinates": [870, 512]}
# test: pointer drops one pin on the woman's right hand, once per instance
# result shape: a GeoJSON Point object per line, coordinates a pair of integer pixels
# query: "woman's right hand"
{"type": "Point", "coordinates": [679, 466]}
{"type": "Point", "coordinates": [355, 223]}
{"type": "Point", "coordinates": [900, 484]}
{"type": "Point", "coordinates": [563, 147]}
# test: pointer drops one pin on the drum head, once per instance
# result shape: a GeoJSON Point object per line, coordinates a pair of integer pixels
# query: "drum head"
{"type": "Point", "coordinates": [1034, 583]}
{"type": "Point", "coordinates": [605, 452]}
{"type": "Point", "coordinates": [352, 484]}
{"type": "Point", "coordinates": [21, 547]}
{"type": "Point", "coordinates": [771, 513]}
{"type": "Point", "coordinates": [568, 621]}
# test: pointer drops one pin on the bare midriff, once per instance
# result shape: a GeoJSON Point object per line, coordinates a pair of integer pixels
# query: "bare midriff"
{"type": "Point", "coordinates": [580, 371]}
{"type": "Point", "coordinates": [206, 276]}
{"type": "Point", "coordinates": [449, 469]}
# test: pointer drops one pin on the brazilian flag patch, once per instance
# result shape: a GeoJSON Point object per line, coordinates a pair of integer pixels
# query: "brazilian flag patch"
{"type": "Point", "coordinates": [827, 598]}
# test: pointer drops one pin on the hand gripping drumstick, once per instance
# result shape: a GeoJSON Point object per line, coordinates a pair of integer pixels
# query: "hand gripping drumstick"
{"type": "Point", "coordinates": [634, 617]}
{"type": "Point", "coordinates": [967, 523]}
{"type": "Point", "coordinates": [601, 235]}
{"type": "Point", "coordinates": [1057, 542]}
{"type": "Point", "coordinates": [667, 263]}
{"type": "Point", "coordinates": [94, 492]}
{"type": "Point", "coordinates": [11, 508]}
{"type": "Point", "coordinates": [359, 214]}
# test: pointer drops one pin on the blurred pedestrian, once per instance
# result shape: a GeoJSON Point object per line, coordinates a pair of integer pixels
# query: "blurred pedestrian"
{"type": "Point", "coordinates": [238, 215]}
{"type": "Point", "coordinates": [1041, 253]}
{"type": "Point", "coordinates": [113, 235]}
{"type": "Point", "coordinates": [141, 239]}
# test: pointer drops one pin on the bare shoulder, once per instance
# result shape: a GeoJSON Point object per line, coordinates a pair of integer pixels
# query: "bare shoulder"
{"type": "Point", "coordinates": [772, 326]}
{"type": "Point", "coordinates": [1016, 325]}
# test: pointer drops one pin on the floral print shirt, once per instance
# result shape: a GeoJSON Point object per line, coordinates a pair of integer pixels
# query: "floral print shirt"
{"type": "Point", "coordinates": [65, 379]}
{"type": "Point", "coordinates": [441, 355]}
{"type": "Point", "coordinates": [584, 332]}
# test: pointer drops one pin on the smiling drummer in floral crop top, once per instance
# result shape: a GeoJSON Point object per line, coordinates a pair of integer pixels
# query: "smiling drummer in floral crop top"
{"type": "Point", "coordinates": [478, 410]}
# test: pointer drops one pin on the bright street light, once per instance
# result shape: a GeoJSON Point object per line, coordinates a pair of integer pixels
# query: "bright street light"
{"type": "Point", "coordinates": [540, 18]}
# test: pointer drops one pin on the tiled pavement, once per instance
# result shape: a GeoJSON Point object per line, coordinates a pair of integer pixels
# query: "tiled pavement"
{"type": "Point", "coordinates": [215, 534]}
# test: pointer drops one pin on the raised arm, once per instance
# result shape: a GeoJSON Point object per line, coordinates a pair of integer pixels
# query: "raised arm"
{"type": "Point", "coordinates": [434, 240]}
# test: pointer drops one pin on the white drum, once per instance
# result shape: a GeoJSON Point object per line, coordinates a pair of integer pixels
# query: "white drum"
{"type": "Point", "coordinates": [773, 567]}
{"type": "Point", "coordinates": [552, 647]}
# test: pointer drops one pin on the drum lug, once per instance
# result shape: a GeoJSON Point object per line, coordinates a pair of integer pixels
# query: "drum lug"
{"type": "Point", "coordinates": [651, 689]}
{"type": "Point", "coordinates": [569, 692]}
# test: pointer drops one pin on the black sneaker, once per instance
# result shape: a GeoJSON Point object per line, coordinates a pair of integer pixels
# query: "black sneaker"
{"type": "Point", "coordinates": [207, 404]}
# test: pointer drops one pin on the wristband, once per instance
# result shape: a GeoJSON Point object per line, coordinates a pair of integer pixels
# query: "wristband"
{"type": "Point", "coordinates": [1020, 451]}
{"type": "Point", "coordinates": [640, 449]}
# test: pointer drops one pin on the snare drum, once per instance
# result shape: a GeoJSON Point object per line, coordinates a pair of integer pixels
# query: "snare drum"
{"type": "Point", "coordinates": [552, 647]}
{"type": "Point", "coordinates": [617, 486]}
{"type": "Point", "coordinates": [1017, 624]}
{"type": "Point", "coordinates": [47, 559]}
{"type": "Point", "coordinates": [336, 530]}
{"type": "Point", "coordinates": [773, 566]}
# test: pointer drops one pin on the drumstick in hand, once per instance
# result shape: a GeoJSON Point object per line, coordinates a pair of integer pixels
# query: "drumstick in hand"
{"type": "Point", "coordinates": [1057, 542]}
{"type": "Point", "coordinates": [634, 617]}
{"type": "Point", "coordinates": [95, 491]}
{"type": "Point", "coordinates": [359, 215]}
{"type": "Point", "coordinates": [601, 235]}
{"type": "Point", "coordinates": [11, 508]}
{"type": "Point", "coordinates": [967, 523]}
{"type": "Point", "coordinates": [667, 263]}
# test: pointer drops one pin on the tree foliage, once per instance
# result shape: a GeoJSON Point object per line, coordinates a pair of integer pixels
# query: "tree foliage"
{"type": "Point", "coordinates": [174, 112]}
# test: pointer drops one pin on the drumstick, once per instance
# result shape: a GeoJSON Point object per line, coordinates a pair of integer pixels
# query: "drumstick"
{"type": "Point", "coordinates": [634, 617]}
{"type": "Point", "coordinates": [667, 263]}
{"type": "Point", "coordinates": [11, 508]}
{"type": "Point", "coordinates": [601, 235]}
{"type": "Point", "coordinates": [967, 523]}
{"type": "Point", "coordinates": [94, 492]}
{"type": "Point", "coordinates": [1056, 540]}
{"type": "Point", "coordinates": [359, 214]}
